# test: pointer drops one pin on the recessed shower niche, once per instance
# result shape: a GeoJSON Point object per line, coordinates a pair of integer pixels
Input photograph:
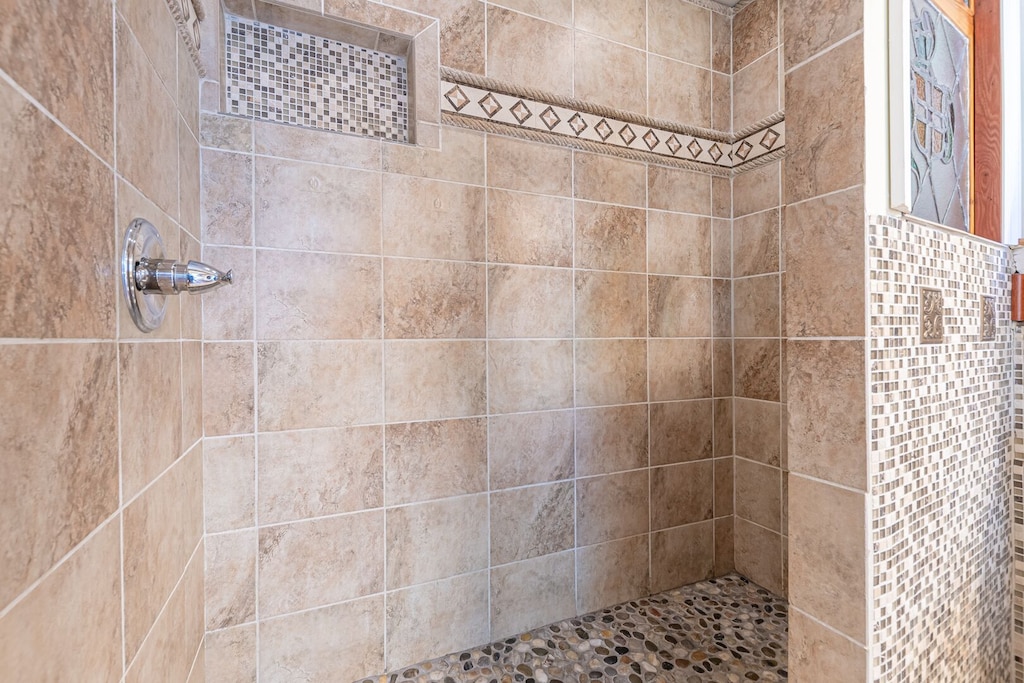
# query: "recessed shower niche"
{"type": "Point", "coordinates": [350, 74]}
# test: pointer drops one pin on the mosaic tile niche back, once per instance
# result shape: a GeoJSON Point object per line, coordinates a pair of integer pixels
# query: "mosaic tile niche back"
{"type": "Point", "coordinates": [289, 77]}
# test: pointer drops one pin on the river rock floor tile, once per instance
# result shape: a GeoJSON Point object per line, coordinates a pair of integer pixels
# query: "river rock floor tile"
{"type": "Point", "coordinates": [726, 630]}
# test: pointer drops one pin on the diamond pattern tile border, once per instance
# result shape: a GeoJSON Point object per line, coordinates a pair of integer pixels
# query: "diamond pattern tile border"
{"type": "Point", "coordinates": [516, 112]}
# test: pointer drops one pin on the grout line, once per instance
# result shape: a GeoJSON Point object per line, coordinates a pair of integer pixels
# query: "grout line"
{"type": "Point", "coordinates": [383, 407]}
{"type": "Point", "coordinates": [830, 48]}
{"type": "Point", "coordinates": [255, 408]}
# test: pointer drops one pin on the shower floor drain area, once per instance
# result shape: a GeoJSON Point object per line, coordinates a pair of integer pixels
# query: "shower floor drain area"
{"type": "Point", "coordinates": [722, 630]}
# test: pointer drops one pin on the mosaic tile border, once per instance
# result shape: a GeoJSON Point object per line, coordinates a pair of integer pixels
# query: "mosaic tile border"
{"type": "Point", "coordinates": [515, 110]}
{"type": "Point", "coordinates": [940, 416]}
{"type": "Point", "coordinates": [278, 74]}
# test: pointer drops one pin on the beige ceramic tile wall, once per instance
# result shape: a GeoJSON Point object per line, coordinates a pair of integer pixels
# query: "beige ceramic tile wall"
{"type": "Point", "coordinates": [101, 509]}
{"type": "Point", "coordinates": [757, 316]}
{"type": "Point", "coordinates": [482, 377]}
{"type": "Point", "coordinates": [824, 311]}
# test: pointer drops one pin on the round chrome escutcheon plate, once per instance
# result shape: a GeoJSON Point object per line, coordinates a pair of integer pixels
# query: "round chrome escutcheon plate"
{"type": "Point", "coordinates": [141, 240]}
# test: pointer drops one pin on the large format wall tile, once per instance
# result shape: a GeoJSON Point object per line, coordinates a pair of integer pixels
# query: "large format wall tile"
{"type": "Point", "coordinates": [58, 199]}
{"type": "Point", "coordinates": [536, 591]}
{"type": "Point", "coordinates": [61, 453]}
{"type": "Point", "coordinates": [547, 65]}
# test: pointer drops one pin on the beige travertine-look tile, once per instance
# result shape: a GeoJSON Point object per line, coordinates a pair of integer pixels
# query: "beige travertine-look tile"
{"type": "Point", "coordinates": [609, 573]}
{"type": "Point", "coordinates": [173, 644]}
{"type": "Point", "coordinates": [77, 606]}
{"type": "Point", "coordinates": [758, 493]}
{"type": "Point", "coordinates": [529, 302]}
{"type": "Point", "coordinates": [191, 393]}
{"type": "Point", "coordinates": [674, 189]}
{"type": "Point", "coordinates": [812, 26]}
{"type": "Point", "coordinates": [611, 439]}
{"type": "Point", "coordinates": [680, 369]}
{"type": "Point", "coordinates": [757, 425]}
{"type": "Point", "coordinates": [221, 131]}
{"type": "Point", "coordinates": [310, 307]}
{"type": "Point", "coordinates": [612, 506]}
{"type": "Point", "coordinates": [547, 65]}
{"type": "Point", "coordinates": [722, 383]}
{"type": "Point", "coordinates": [536, 591]}
{"type": "Point", "coordinates": [529, 522]}
{"type": "Point", "coordinates": [557, 11]}
{"type": "Point", "coordinates": [679, 306]}
{"type": "Point", "coordinates": [610, 371]}
{"type": "Point", "coordinates": [461, 603]}
{"type": "Point", "coordinates": [682, 494]}
{"type": "Point", "coordinates": [624, 21]}
{"type": "Point", "coordinates": [609, 74]}
{"type": "Point", "coordinates": [610, 237]}
{"type": "Point", "coordinates": [427, 460]}
{"type": "Point", "coordinates": [682, 555]}
{"type": "Point", "coordinates": [462, 30]}
{"type": "Point", "coordinates": [226, 206]}
{"type": "Point", "coordinates": [607, 304]}
{"type": "Point", "coordinates": [681, 431]}
{"type": "Point", "coordinates": [162, 528]}
{"type": "Point", "coordinates": [530, 448]}
{"type": "Point", "coordinates": [822, 654]}
{"type": "Point", "coordinates": [150, 424]}
{"type": "Point", "coordinates": [460, 159]}
{"type": "Point", "coordinates": [229, 489]}
{"type": "Point", "coordinates": [529, 229]}
{"type": "Point", "coordinates": [828, 411]}
{"type": "Point", "coordinates": [230, 654]}
{"type": "Point", "coordinates": [147, 125]}
{"type": "Point", "coordinates": [433, 219]}
{"type": "Point", "coordinates": [826, 134]}
{"type": "Point", "coordinates": [680, 30]}
{"type": "Point", "coordinates": [228, 399]}
{"type": "Point", "coordinates": [609, 179]}
{"type": "Point", "coordinates": [319, 562]}
{"type": "Point", "coordinates": [758, 555]}
{"type": "Point", "coordinates": [432, 299]}
{"type": "Point", "coordinates": [527, 375]}
{"type": "Point", "coordinates": [678, 244]}
{"type": "Point", "coordinates": [721, 101]}
{"type": "Point", "coordinates": [336, 643]}
{"type": "Point", "coordinates": [756, 91]}
{"type": "Point", "coordinates": [721, 311]}
{"type": "Point", "coordinates": [756, 306]}
{"type": "Point", "coordinates": [725, 545]}
{"type": "Point", "coordinates": [757, 190]}
{"type": "Point", "coordinates": [67, 213]}
{"type": "Point", "coordinates": [824, 247]}
{"type": "Point", "coordinates": [724, 436]}
{"type": "Point", "coordinates": [528, 166]}
{"type": "Point", "coordinates": [230, 579]}
{"type": "Point", "coordinates": [60, 460]}
{"type": "Point", "coordinates": [678, 91]}
{"type": "Point", "coordinates": [459, 525]}
{"type": "Point", "coordinates": [316, 207]}
{"type": "Point", "coordinates": [316, 146]}
{"type": "Point", "coordinates": [756, 244]}
{"type": "Point", "coordinates": [827, 528]}
{"type": "Point", "coordinates": [314, 473]}
{"type": "Point", "coordinates": [428, 380]}
{"type": "Point", "coordinates": [230, 315]}
{"type": "Point", "coordinates": [755, 32]}
{"type": "Point", "coordinates": [758, 368]}
{"type": "Point", "coordinates": [725, 474]}
{"type": "Point", "coordinates": [305, 385]}
{"type": "Point", "coordinates": [47, 55]}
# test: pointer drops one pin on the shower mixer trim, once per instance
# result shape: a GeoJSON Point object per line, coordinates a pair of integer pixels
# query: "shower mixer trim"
{"type": "Point", "coordinates": [147, 278]}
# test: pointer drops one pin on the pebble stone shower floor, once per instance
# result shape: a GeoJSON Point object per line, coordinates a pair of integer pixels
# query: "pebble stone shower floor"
{"type": "Point", "coordinates": [721, 630]}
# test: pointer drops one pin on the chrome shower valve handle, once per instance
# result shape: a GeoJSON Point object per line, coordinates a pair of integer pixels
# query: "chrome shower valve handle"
{"type": "Point", "coordinates": [147, 278]}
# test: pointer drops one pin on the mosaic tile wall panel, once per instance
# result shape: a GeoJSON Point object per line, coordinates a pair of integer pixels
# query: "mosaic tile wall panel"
{"type": "Point", "coordinates": [940, 442]}
{"type": "Point", "coordinates": [623, 132]}
{"type": "Point", "coordinates": [290, 77]}
{"type": "Point", "coordinates": [1018, 502]}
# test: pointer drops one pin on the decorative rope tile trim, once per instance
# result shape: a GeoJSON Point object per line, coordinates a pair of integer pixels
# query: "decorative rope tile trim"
{"type": "Point", "coordinates": [523, 112]}
{"type": "Point", "coordinates": [187, 15]}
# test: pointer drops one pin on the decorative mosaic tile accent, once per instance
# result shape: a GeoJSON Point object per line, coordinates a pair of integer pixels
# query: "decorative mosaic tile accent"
{"type": "Point", "coordinates": [932, 327]}
{"type": "Point", "coordinates": [290, 77]}
{"type": "Point", "coordinates": [724, 629]}
{"type": "Point", "coordinates": [622, 131]}
{"type": "Point", "coordinates": [940, 475]}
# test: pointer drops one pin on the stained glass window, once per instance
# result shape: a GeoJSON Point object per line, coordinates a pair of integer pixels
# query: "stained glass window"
{"type": "Point", "coordinates": [940, 153]}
